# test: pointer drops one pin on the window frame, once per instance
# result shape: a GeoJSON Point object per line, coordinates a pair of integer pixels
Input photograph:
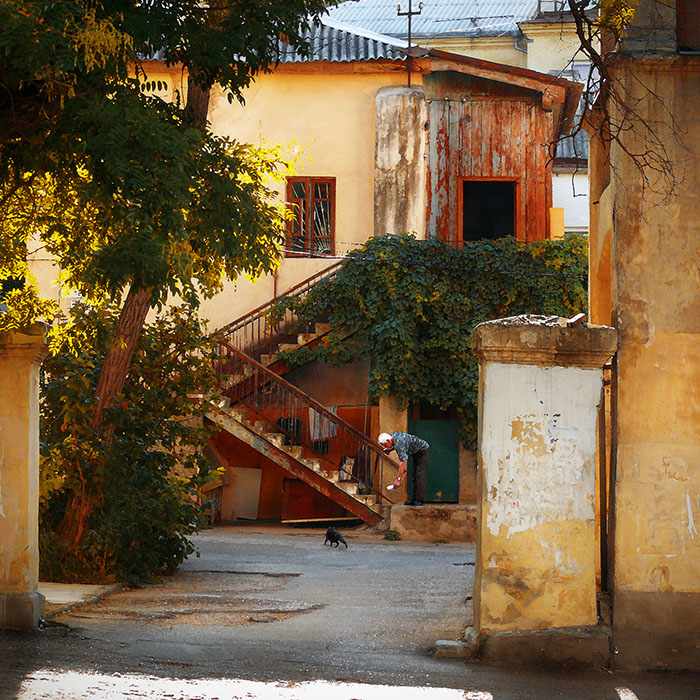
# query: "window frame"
{"type": "Point", "coordinates": [685, 9]}
{"type": "Point", "coordinates": [310, 199]}
{"type": "Point", "coordinates": [517, 223]}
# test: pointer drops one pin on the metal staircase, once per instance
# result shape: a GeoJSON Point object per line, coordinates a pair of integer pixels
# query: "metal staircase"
{"type": "Point", "coordinates": [254, 335]}
{"type": "Point", "coordinates": [289, 427]}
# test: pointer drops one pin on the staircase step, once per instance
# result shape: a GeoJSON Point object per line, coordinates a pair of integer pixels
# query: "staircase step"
{"type": "Point", "coordinates": [259, 426]}
{"type": "Point", "coordinates": [322, 328]}
{"type": "Point", "coordinates": [349, 487]}
{"type": "Point", "coordinates": [286, 347]}
{"type": "Point", "coordinates": [274, 438]}
{"type": "Point", "coordinates": [312, 463]}
{"type": "Point", "coordinates": [239, 414]}
{"type": "Point", "coordinates": [333, 477]}
{"type": "Point", "coordinates": [232, 379]}
{"type": "Point", "coordinates": [267, 359]}
{"type": "Point", "coordinates": [295, 450]}
{"type": "Point", "coordinates": [369, 499]}
{"type": "Point", "coordinates": [306, 338]}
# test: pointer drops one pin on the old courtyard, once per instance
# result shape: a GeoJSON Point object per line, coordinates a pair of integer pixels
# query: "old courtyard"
{"type": "Point", "coordinates": [269, 612]}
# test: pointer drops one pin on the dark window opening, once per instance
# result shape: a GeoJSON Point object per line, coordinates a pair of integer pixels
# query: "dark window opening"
{"type": "Point", "coordinates": [488, 209]}
{"type": "Point", "coordinates": [688, 25]}
{"type": "Point", "coordinates": [423, 410]}
{"type": "Point", "coordinates": [312, 229]}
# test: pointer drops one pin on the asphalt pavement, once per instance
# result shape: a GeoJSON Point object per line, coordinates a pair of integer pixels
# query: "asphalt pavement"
{"type": "Point", "coordinates": [272, 612]}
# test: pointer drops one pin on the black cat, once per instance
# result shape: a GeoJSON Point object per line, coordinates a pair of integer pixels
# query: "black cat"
{"type": "Point", "coordinates": [334, 537]}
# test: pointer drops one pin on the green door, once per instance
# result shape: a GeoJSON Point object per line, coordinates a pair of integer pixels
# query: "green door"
{"type": "Point", "coordinates": [443, 470]}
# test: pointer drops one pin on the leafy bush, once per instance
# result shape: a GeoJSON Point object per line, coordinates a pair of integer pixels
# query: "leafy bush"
{"type": "Point", "coordinates": [138, 490]}
{"type": "Point", "coordinates": [410, 306]}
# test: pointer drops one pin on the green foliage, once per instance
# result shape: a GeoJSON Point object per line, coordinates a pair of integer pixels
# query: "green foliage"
{"type": "Point", "coordinates": [121, 187]}
{"type": "Point", "coordinates": [616, 15]}
{"type": "Point", "coordinates": [392, 535]}
{"type": "Point", "coordinates": [24, 307]}
{"type": "Point", "coordinates": [410, 306]}
{"type": "Point", "coordinates": [139, 489]}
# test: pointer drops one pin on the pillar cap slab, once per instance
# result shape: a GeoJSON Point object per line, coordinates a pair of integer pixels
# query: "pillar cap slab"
{"type": "Point", "coordinates": [27, 343]}
{"type": "Point", "coordinates": [544, 341]}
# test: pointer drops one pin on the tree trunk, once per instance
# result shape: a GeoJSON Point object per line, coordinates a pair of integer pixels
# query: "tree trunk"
{"type": "Point", "coordinates": [118, 360]}
{"type": "Point", "coordinates": [197, 102]}
{"type": "Point", "coordinates": [110, 382]}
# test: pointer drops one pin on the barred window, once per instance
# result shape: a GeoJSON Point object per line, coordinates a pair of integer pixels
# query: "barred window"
{"type": "Point", "coordinates": [311, 232]}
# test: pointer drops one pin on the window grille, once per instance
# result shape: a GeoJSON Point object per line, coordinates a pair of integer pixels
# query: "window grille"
{"type": "Point", "coordinates": [311, 232]}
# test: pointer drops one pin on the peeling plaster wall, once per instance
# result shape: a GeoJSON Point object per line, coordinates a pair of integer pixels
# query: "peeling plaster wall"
{"type": "Point", "coordinates": [400, 168]}
{"type": "Point", "coordinates": [656, 309]}
{"type": "Point", "coordinates": [20, 357]}
{"type": "Point", "coordinates": [537, 497]}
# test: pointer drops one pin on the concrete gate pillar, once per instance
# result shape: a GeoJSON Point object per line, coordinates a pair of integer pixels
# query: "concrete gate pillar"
{"type": "Point", "coordinates": [539, 389]}
{"type": "Point", "coordinates": [21, 354]}
{"type": "Point", "coordinates": [400, 161]}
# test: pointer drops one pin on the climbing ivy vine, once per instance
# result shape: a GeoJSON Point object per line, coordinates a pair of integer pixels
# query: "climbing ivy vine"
{"type": "Point", "coordinates": [410, 307]}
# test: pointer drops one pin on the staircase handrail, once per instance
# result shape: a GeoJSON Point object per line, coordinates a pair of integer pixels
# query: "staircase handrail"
{"type": "Point", "coordinates": [230, 329]}
{"type": "Point", "coordinates": [272, 377]}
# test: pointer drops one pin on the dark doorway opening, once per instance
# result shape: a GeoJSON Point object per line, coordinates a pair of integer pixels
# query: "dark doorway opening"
{"type": "Point", "coordinates": [488, 209]}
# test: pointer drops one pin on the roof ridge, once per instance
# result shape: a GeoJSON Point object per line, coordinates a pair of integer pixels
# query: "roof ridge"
{"type": "Point", "coordinates": [365, 33]}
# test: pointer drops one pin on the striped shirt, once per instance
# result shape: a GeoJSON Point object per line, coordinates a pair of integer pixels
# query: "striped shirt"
{"type": "Point", "coordinates": [406, 444]}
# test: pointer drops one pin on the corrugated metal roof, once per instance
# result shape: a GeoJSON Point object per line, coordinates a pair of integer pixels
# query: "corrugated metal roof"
{"type": "Point", "coordinates": [338, 42]}
{"type": "Point", "coordinates": [471, 18]}
{"type": "Point", "coordinates": [573, 147]}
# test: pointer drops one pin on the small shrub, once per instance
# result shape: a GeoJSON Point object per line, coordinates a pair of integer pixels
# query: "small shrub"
{"type": "Point", "coordinates": [137, 493]}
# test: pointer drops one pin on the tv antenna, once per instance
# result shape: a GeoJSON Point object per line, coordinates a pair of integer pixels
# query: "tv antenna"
{"type": "Point", "coordinates": [410, 13]}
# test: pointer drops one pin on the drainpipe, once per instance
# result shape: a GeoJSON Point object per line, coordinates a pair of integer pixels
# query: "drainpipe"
{"type": "Point", "coordinates": [521, 37]}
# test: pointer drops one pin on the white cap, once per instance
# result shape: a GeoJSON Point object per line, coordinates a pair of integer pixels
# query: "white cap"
{"type": "Point", "coordinates": [383, 437]}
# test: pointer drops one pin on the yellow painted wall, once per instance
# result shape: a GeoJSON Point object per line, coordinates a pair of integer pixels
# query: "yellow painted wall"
{"type": "Point", "coordinates": [552, 46]}
{"type": "Point", "coordinates": [535, 559]}
{"type": "Point", "coordinates": [646, 231]}
{"type": "Point", "coordinates": [656, 307]}
{"type": "Point", "coordinates": [276, 111]}
{"type": "Point", "coordinates": [21, 354]}
{"type": "Point", "coordinates": [330, 120]}
{"type": "Point", "coordinates": [495, 49]}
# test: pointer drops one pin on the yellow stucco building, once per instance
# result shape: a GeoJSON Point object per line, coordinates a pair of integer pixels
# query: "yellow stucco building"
{"type": "Point", "coordinates": [644, 247]}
